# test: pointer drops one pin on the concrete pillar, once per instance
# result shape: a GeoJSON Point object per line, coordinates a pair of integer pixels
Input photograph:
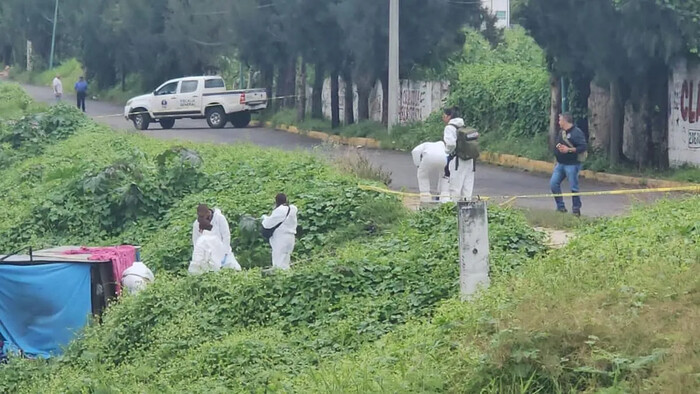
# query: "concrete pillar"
{"type": "Point", "coordinates": [473, 247]}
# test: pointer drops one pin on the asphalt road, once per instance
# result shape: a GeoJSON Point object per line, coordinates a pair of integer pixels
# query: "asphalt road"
{"type": "Point", "coordinates": [490, 180]}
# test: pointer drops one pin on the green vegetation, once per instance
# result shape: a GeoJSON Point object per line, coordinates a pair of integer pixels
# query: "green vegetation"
{"type": "Point", "coordinates": [364, 265]}
{"type": "Point", "coordinates": [614, 311]}
{"type": "Point", "coordinates": [371, 304]}
{"type": "Point", "coordinates": [14, 102]}
{"type": "Point", "coordinates": [70, 71]}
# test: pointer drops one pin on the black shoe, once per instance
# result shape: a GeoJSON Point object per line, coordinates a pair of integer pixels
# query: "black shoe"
{"type": "Point", "coordinates": [562, 210]}
{"type": "Point", "coordinates": [577, 213]}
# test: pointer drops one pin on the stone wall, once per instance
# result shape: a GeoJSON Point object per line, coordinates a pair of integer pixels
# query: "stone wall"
{"type": "Point", "coordinates": [418, 99]}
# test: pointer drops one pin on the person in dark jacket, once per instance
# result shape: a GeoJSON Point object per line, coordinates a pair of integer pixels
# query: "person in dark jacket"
{"type": "Point", "coordinates": [571, 144]}
{"type": "Point", "coordinates": [81, 88]}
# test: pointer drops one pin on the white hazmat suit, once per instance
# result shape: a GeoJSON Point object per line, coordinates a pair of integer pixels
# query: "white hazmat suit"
{"type": "Point", "coordinates": [283, 239]}
{"type": "Point", "coordinates": [137, 277]}
{"type": "Point", "coordinates": [461, 171]}
{"type": "Point", "coordinates": [221, 229]}
{"type": "Point", "coordinates": [431, 159]}
{"type": "Point", "coordinates": [209, 254]}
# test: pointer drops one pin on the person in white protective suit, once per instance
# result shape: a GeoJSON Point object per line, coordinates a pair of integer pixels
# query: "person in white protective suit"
{"type": "Point", "coordinates": [461, 172]}
{"type": "Point", "coordinates": [220, 229]}
{"type": "Point", "coordinates": [209, 254]}
{"type": "Point", "coordinates": [283, 220]}
{"type": "Point", "coordinates": [137, 277]}
{"type": "Point", "coordinates": [430, 159]}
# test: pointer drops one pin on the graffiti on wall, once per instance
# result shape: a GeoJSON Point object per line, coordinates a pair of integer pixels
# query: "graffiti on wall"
{"type": "Point", "coordinates": [417, 100]}
{"type": "Point", "coordinates": [684, 114]}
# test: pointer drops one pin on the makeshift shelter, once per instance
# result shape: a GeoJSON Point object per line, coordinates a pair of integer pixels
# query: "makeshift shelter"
{"type": "Point", "coordinates": [47, 296]}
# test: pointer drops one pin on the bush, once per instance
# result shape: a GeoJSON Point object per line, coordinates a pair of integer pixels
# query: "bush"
{"type": "Point", "coordinates": [365, 265]}
{"type": "Point", "coordinates": [614, 311]}
{"type": "Point", "coordinates": [248, 331]}
{"type": "Point", "coordinates": [510, 100]}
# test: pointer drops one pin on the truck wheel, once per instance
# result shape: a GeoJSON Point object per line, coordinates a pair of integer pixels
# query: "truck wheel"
{"type": "Point", "coordinates": [240, 119]}
{"type": "Point", "coordinates": [216, 117]}
{"type": "Point", "coordinates": [167, 123]}
{"type": "Point", "coordinates": [141, 120]}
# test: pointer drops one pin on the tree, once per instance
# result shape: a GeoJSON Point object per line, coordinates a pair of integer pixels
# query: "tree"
{"type": "Point", "coordinates": [627, 46]}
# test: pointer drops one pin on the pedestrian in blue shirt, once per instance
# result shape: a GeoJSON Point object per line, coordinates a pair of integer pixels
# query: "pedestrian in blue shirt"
{"type": "Point", "coordinates": [81, 88]}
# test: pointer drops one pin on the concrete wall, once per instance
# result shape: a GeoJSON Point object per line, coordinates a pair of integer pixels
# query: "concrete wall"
{"type": "Point", "coordinates": [684, 114]}
{"type": "Point", "coordinates": [418, 99]}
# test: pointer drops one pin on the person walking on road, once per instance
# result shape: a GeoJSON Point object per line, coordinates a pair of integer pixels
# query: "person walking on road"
{"type": "Point", "coordinates": [461, 168]}
{"type": "Point", "coordinates": [81, 88]}
{"type": "Point", "coordinates": [429, 157]}
{"type": "Point", "coordinates": [570, 151]}
{"type": "Point", "coordinates": [58, 88]}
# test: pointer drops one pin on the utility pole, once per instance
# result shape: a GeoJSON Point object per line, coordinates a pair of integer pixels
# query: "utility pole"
{"type": "Point", "coordinates": [393, 63]}
{"type": "Point", "coordinates": [53, 36]}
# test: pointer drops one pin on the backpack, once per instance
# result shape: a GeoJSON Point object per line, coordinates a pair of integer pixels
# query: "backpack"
{"type": "Point", "coordinates": [466, 149]}
{"type": "Point", "coordinates": [581, 157]}
{"type": "Point", "coordinates": [268, 232]}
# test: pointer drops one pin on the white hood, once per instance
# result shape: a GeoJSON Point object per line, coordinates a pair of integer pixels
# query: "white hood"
{"type": "Point", "coordinates": [457, 122]}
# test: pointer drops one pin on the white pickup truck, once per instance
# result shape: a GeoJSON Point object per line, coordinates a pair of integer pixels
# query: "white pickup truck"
{"type": "Point", "coordinates": [195, 98]}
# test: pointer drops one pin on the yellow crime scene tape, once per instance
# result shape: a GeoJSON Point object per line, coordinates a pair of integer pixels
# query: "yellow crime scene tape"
{"type": "Point", "coordinates": [510, 199]}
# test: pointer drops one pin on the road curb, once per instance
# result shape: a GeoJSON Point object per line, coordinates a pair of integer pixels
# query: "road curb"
{"type": "Point", "coordinates": [499, 159]}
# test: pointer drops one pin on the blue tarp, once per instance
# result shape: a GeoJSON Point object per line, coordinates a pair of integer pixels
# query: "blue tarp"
{"type": "Point", "coordinates": [42, 307]}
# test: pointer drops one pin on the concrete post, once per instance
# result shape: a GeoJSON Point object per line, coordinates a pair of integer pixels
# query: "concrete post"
{"type": "Point", "coordinates": [393, 64]}
{"type": "Point", "coordinates": [473, 247]}
{"type": "Point", "coordinates": [29, 56]}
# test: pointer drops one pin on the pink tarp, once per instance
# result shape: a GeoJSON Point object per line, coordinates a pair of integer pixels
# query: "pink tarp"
{"type": "Point", "coordinates": [122, 257]}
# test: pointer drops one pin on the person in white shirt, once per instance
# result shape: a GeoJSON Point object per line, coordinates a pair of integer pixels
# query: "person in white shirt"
{"type": "Point", "coordinates": [283, 220]}
{"type": "Point", "coordinates": [430, 159]}
{"type": "Point", "coordinates": [219, 229]}
{"type": "Point", "coordinates": [58, 88]}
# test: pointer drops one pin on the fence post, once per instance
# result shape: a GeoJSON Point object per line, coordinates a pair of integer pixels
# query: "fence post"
{"type": "Point", "coordinates": [473, 247]}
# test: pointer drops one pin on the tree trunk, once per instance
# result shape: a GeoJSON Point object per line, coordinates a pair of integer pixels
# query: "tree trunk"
{"type": "Point", "coordinates": [600, 121]}
{"type": "Point", "coordinates": [301, 88]}
{"type": "Point", "coordinates": [659, 118]}
{"type": "Point", "coordinates": [268, 77]}
{"type": "Point", "coordinates": [616, 121]}
{"type": "Point", "coordinates": [385, 98]}
{"type": "Point", "coordinates": [123, 78]}
{"type": "Point", "coordinates": [290, 75]}
{"type": "Point", "coordinates": [335, 100]}
{"type": "Point", "coordinates": [317, 93]}
{"type": "Point", "coordinates": [349, 99]}
{"type": "Point", "coordinates": [637, 126]}
{"type": "Point", "coordinates": [363, 93]}
{"type": "Point", "coordinates": [554, 109]}
{"type": "Point", "coordinates": [279, 87]}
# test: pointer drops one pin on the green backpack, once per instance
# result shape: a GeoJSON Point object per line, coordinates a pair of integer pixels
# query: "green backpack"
{"type": "Point", "coordinates": [466, 149]}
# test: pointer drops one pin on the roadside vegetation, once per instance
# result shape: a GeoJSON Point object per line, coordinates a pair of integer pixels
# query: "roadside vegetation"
{"type": "Point", "coordinates": [371, 305]}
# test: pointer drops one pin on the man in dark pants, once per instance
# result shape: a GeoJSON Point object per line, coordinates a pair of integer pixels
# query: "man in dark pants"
{"type": "Point", "coordinates": [81, 88]}
{"type": "Point", "coordinates": [570, 150]}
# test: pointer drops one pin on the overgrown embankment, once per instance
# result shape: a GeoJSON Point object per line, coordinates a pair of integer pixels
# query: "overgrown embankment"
{"type": "Point", "coordinates": [371, 304]}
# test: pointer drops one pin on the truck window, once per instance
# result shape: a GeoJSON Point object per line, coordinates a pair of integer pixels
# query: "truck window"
{"type": "Point", "coordinates": [170, 88]}
{"type": "Point", "coordinates": [188, 86]}
{"type": "Point", "coordinates": [214, 83]}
